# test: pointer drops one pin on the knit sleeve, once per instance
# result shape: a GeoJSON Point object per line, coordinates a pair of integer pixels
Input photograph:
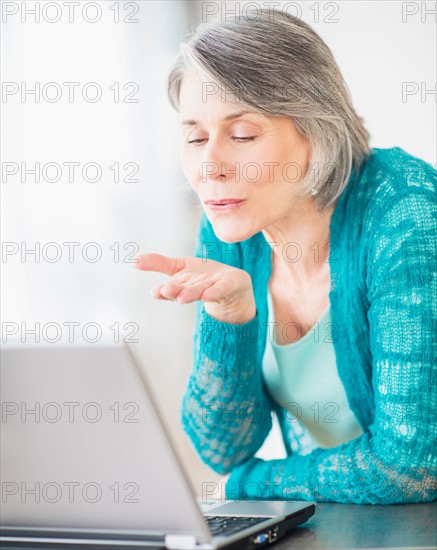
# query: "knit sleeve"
{"type": "Point", "coordinates": [394, 461]}
{"type": "Point", "coordinates": [225, 410]}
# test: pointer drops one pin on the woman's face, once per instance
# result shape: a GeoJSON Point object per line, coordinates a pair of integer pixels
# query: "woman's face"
{"type": "Point", "coordinates": [229, 153]}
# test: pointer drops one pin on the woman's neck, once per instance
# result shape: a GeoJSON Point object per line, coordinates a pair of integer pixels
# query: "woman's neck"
{"type": "Point", "coordinates": [300, 244]}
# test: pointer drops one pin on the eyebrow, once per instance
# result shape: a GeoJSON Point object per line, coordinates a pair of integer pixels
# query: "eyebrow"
{"type": "Point", "coordinates": [192, 122]}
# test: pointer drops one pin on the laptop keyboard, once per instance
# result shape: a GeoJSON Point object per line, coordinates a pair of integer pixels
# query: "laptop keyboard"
{"type": "Point", "coordinates": [227, 525]}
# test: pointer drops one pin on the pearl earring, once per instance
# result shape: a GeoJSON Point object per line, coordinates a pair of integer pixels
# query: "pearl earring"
{"type": "Point", "coordinates": [314, 191]}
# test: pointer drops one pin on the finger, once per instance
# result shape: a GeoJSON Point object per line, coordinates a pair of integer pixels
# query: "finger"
{"type": "Point", "coordinates": [173, 288]}
{"type": "Point", "coordinates": [160, 263]}
{"type": "Point", "coordinates": [156, 293]}
{"type": "Point", "coordinates": [215, 292]}
{"type": "Point", "coordinates": [193, 292]}
{"type": "Point", "coordinates": [171, 291]}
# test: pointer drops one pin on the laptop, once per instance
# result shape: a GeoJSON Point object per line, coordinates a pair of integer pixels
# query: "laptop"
{"type": "Point", "coordinates": [87, 460]}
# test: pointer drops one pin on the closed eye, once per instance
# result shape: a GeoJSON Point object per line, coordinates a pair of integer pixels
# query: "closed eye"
{"type": "Point", "coordinates": [235, 138]}
{"type": "Point", "coordinates": [196, 141]}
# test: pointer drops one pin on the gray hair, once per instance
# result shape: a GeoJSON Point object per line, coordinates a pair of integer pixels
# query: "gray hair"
{"type": "Point", "coordinates": [276, 64]}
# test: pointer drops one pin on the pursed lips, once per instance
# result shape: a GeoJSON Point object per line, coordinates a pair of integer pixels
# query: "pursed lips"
{"type": "Point", "coordinates": [224, 205]}
{"type": "Point", "coordinates": [223, 201]}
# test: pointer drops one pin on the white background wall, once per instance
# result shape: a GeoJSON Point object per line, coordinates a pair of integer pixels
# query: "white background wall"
{"type": "Point", "coordinates": [377, 48]}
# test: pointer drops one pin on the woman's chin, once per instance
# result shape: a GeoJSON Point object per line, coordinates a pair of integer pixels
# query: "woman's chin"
{"type": "Point", "coordinates": [230, 233]}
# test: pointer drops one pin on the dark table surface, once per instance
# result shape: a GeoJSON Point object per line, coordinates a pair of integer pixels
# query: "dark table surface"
{"type": "Point", "coordinates": [402, 526]}
{"type": "Point", "coordinates": [364, 526]}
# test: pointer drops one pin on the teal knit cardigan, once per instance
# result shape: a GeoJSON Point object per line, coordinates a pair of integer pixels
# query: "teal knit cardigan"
{"type": "Point", "coordinates": [383, 299]}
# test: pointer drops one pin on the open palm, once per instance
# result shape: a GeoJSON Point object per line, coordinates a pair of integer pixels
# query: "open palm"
{"type": "Point", "coordinates": [226, 291]}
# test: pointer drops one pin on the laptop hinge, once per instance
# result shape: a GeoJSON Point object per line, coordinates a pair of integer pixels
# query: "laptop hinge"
{"type": "Point", "coordinates": [180, 542]}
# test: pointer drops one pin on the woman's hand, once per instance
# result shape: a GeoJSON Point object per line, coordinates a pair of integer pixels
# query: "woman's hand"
{"type": "Point", "coordinates": [226, 291]}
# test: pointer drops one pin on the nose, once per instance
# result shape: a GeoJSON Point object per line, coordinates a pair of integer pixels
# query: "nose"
{"type": "Point", "coordinates": [213, 166]}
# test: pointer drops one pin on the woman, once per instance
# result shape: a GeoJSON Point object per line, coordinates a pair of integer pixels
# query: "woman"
{"type": "Point", "coordinates": [305, 229]}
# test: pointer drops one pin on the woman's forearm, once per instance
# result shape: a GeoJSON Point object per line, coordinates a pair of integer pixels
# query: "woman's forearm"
{"type": "Point", "coordinates": [366, 470]}
{"type": "Point", "coordinates": [225, 409]}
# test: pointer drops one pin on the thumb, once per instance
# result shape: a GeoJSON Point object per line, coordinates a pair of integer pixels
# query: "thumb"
{"type": "Point", "coordinates": [160, 263]}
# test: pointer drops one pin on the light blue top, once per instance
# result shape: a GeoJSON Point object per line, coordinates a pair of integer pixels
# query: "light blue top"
{"type": "Point", "coordinates": [302, 377]}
